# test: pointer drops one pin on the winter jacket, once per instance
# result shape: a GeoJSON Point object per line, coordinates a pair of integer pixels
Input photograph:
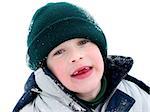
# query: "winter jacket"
{"type": "Point", "coordinates": [44, 93]}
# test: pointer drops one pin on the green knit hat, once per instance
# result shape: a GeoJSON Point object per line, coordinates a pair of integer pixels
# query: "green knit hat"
{"type": "Point", "coordinates": [55, 23]}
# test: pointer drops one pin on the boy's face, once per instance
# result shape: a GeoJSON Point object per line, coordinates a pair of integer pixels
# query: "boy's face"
{"type": "Point", "coordinates": [78, 65]}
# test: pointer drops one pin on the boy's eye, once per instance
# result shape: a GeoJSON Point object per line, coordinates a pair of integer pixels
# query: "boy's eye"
{"type": "Point", "coordinates": [82, 42]}
{"type": "Point", "coordinates": [59, 52]}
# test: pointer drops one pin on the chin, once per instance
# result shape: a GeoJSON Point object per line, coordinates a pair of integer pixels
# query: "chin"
{"type": "Point", "coordinates": [88, 88]}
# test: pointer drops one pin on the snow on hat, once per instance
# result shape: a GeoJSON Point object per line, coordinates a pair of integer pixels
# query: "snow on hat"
{"type": "Point", "coordinates": [55, 23]}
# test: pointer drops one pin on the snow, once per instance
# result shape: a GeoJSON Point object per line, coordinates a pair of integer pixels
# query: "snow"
{"type": "Point", "coordinates": [125, 24]}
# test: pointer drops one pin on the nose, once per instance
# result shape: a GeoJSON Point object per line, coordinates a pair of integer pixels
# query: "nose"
{"type": "Point", "coordinates": [76, 59]}
{"type": "Point", "coordinates": [76, 56]}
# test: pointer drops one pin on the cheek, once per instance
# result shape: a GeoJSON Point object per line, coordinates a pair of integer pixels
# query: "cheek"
{"type": "Point", "coordinates": [61, 73]}
{"type": "Point", "coordinates": [58, 68]}
{"type": "Point", "coordinates": [96, 58]}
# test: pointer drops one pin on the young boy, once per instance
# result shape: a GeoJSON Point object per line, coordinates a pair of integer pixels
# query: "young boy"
{"type": "Point", "coordinates": [72, 72]}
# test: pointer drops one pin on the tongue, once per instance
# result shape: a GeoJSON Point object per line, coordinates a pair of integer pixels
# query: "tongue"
{"type": "Point", "coordinates": [83, 71]}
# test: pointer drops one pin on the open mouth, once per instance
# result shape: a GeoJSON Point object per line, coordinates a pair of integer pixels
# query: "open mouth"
{"type": "Point", "coordinates": [82, 72]}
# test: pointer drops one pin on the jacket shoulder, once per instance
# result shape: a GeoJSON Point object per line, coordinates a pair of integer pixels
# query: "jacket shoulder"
{"type": "Point", "coordinates": [134, 90]}
{"type": "Point", "coordinates": [139, 83]}
{"type": "Point", "coordinates": [28, 95]}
